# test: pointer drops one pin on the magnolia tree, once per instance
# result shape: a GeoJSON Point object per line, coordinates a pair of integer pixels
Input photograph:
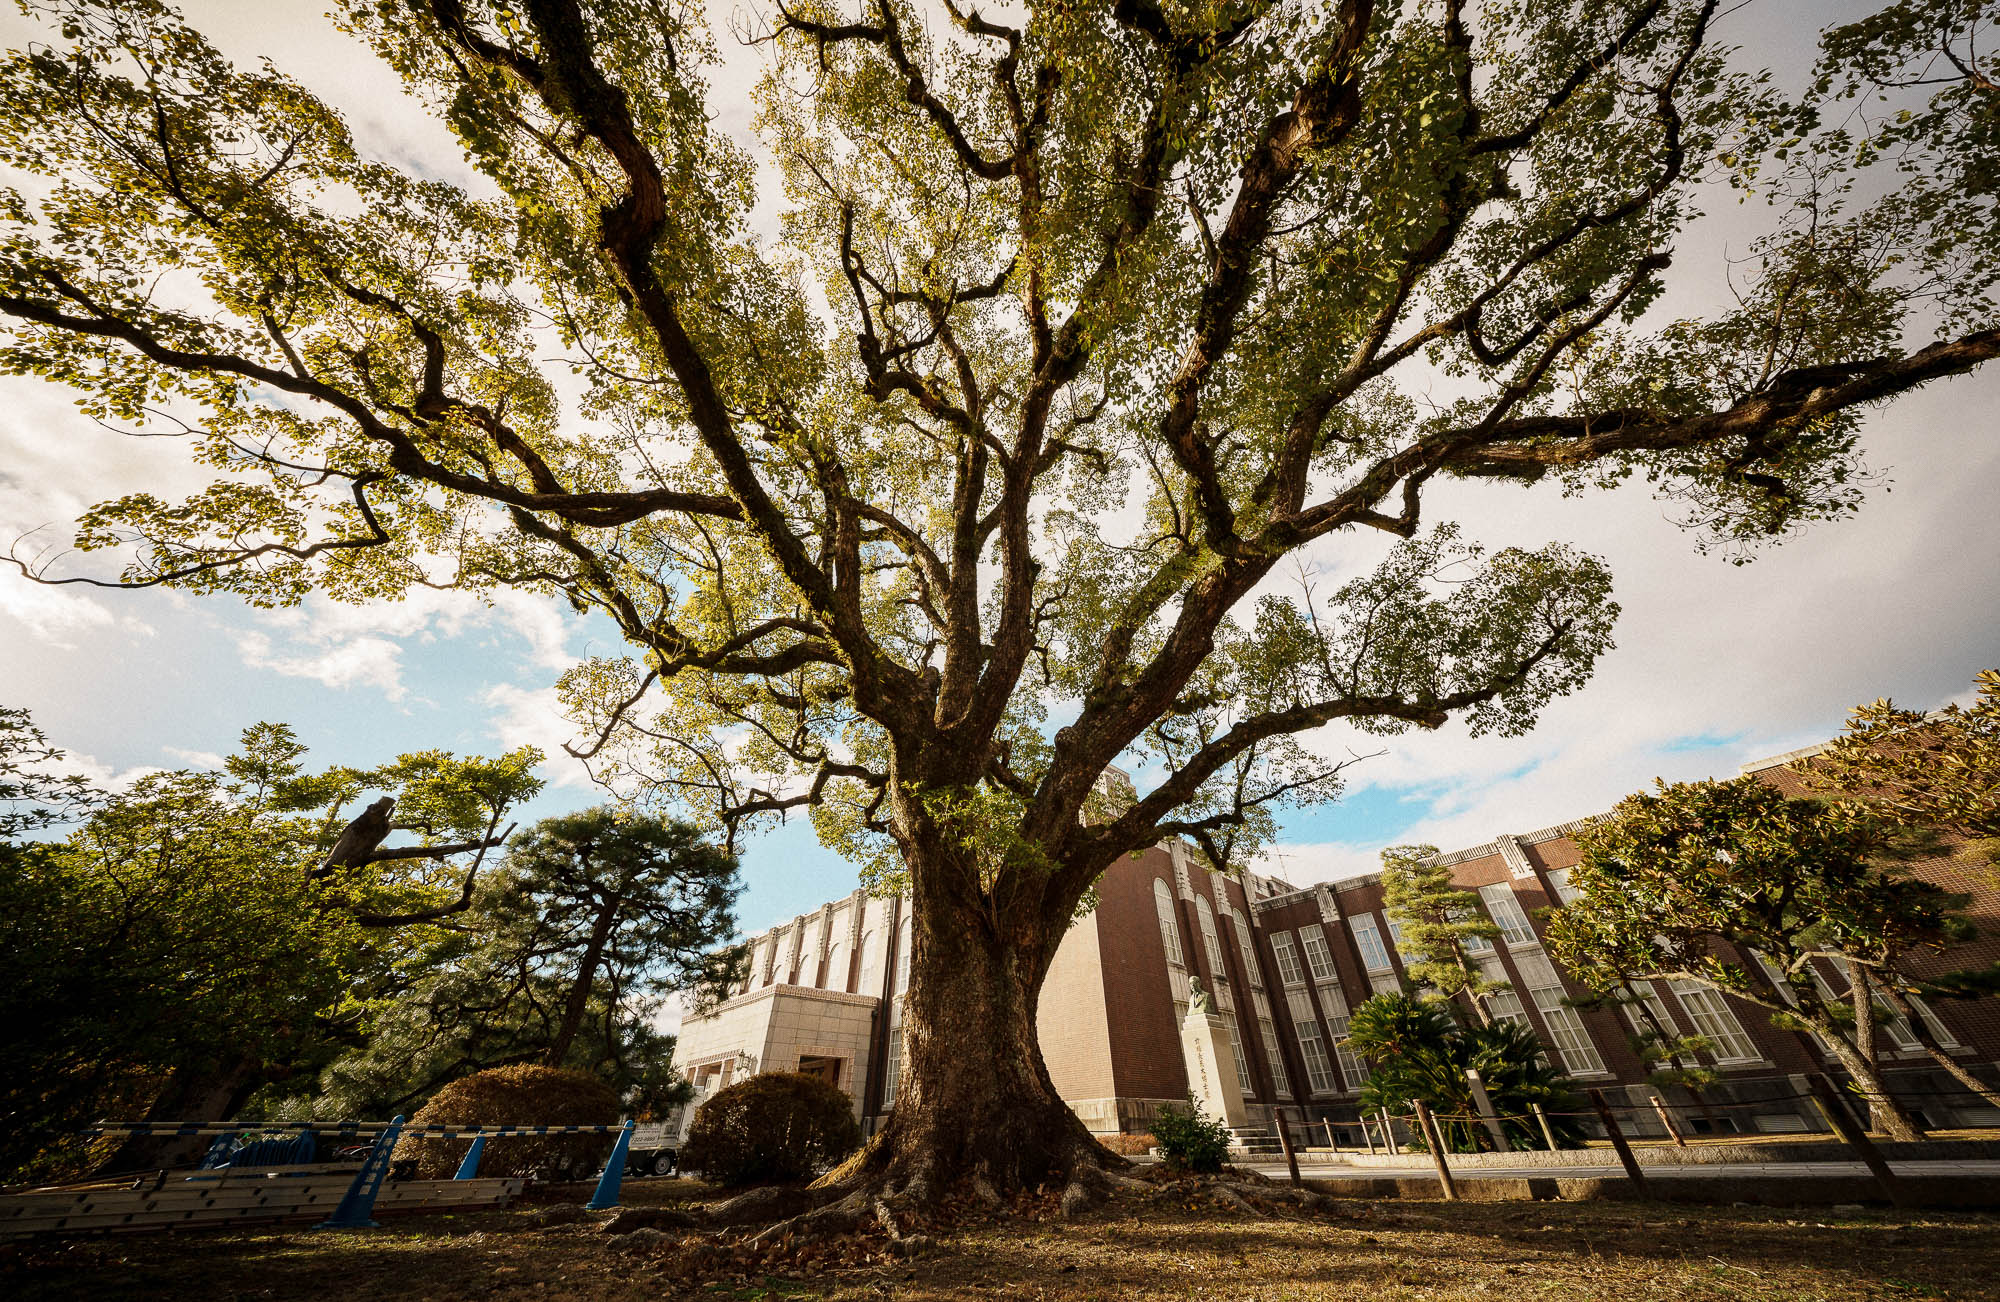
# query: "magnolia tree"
{"type": "Point", "coordinates": [1083, 320]}
{"type": "Point", "coordinates": [1770, 898]}
{"type": "Point", "coordinates": [1939, 770]}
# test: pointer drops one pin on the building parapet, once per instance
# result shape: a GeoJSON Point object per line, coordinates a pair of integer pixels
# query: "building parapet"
{"type": "Point", "coordinates": [775, 989]}
{"type": "Point", "coordinates": [1779, 761]}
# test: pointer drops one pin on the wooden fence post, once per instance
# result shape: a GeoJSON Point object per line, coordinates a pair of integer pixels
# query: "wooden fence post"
{"type": "Point", "coordinates": [1548, 1135]}
{"type": "Point", "coordinates": [1666, 1119]}
{"type": "Point", "coordinates": [1857, 1139]}
{"type": "Point", "coordinates": [1617, 1137]}
{"type": "Point", "coordinates": [1433, 1136]}
{"type": "Point", "coordinates": [1285, 1142]}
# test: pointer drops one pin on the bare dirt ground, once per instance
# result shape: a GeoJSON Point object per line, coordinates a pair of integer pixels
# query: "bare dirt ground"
{"type": "Point", "coordinates": [1177, 1243]}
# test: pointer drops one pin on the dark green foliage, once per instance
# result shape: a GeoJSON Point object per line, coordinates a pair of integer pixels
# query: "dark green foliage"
{"type": "Point", "coordinates": [771, 1128]}
{"type": "Point", "coordinates": [1191, 1140]}
{"type": "Point", "coordinates": [1671, 876]}
{"type": "Point", "coordinates": [1419, 1052]}
{"type": "Point", "coordinates": [561, 960]}
{"type": "Point", "coordinates": [1936, 770]}
{"type": "Point", "coordinates": [526, 1094]}
{"type": "Point", "coordinates": [1442, 925]}
{"type": "Point", "coordinates": [185, 941]}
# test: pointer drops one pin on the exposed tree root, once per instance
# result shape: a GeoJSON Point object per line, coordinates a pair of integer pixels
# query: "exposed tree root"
{"type": "Point", "coordinates": [880, 1219]}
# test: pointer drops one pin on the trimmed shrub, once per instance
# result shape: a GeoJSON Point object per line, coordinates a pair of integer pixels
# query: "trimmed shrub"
{"type": "Point", "coordinates": [1129, 1145]}
{"type": "Point", "coordinates": [1190, 1140]}
{"type": "Point", "coordinates": [773, 1127]}
{"type": "Point", "coordinates": [526, 1094]}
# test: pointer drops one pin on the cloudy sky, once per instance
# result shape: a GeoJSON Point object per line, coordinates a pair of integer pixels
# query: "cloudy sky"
{"type": "Point", "coordinates": [1716, 664]}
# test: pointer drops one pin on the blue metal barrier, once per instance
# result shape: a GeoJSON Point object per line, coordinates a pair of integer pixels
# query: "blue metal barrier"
{"type": "Point", "coordinates": [614, 1173]}
{"type": "Point", "coordinates": [469, 1168]}
{"type": "Point", "coordinates": [357, 1205]}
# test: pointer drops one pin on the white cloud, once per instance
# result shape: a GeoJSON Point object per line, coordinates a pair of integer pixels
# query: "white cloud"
{"type": "Point", "coordinates": [201, 759]}
{"type": "Point", "coordinates": [56, 616]}
{"type": "Point", "coordinates": [1716, 664]}
{"type": "Point", "coordinates": [345, 645]}
{"type": "Point", "coordinates": [1304, 862]}
{"type": "Point", "coordinates": [669, 1012]}
{"type": "Point", "coordinates": [358, 662]}
{"type": "Point", "coordinates": [521, 716]}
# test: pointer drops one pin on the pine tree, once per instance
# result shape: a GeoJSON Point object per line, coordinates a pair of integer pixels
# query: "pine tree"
{"type": "Point", "coordinates": [1442, 927]}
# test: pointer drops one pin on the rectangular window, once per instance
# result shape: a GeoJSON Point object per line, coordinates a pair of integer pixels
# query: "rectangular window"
{"type": "Point", "coordinates": [1278, 1078]}
{"type": "Point", "coordinates": [1178, 979]}
{"type": "Point", "coordinates": [1368, 939]}
{"type": "Point", "coordinates": [1170, 931]}
{"type": "Point", "coordinates": [1312, 1046]}
{"type": "Point", "coordinates": [1318, 957]}
{"type": "Point", "coordinates": [1559, 883]}
{"type": "Point", "coordinates": [1333, 1006]}
{"type": "Point", "coordinates": [1649, 996]}
{"type": "Point", "coordinates": [1251, 967]}
{"type": "Point", "coordinates": [1287, 955]}
{"type": "Point", "coordinates": [1205, 916]}
{"type": "Point", "coordinates": [1505, 910]}
{"type": "Point", "coordinates": [1713, 1018]}
{"type": "Point", "coordinates": [1939, 1031]}
{"type": "Point", "coordinates": [1565, 1029]}
{"type": "Point", "coordinates": [1475, 946]}
{"type": "Point", "coordinates": [1503, 1005]}
{"type": "Point", "coordinates": [1385, 983]}
{"type": "Point", "coordinates": [1898, 1026]}
{"type": "Point", "coordinates": [1243, 1078]}
{"type": "Point", "coordinates": [893, 1067]}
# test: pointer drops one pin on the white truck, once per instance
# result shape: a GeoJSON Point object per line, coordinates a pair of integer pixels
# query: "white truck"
{"type": "Point", "coordinates": [652, 1150]}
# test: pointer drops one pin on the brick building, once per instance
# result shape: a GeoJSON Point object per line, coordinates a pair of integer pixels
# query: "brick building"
{"type": "Point", "coordinates": [1285, 965]}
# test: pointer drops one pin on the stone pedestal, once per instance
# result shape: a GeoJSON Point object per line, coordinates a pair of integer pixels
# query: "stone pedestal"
{"type": "Point", "coordinates": [1211, 1069]}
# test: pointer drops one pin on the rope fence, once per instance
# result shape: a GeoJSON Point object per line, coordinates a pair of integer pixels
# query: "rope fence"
{"type": "Point", "coordinates": [324, 1129]}
{"type": "Point", "coordinates": [1433, 1131]}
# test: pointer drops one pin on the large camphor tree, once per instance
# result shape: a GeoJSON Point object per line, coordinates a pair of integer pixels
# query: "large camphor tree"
{"type": "Point", "coordinates": [1084, 321]}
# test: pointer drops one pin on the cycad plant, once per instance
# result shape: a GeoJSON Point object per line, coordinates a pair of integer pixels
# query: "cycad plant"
{"type": "Point", "coordinates": [1419, 1052]}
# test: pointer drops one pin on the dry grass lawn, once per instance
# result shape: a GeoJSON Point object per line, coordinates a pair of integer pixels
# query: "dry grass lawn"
{"type": "Point", "coordinates": [1177, 1245]}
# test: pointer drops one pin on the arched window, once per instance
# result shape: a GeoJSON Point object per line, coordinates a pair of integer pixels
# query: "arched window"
{"type": "Point", "coordinates": [808, 960]}
{"type": "Point", "coordinates": [1170, 932]}
{"type": "Point", "coordinates": [836, 967]}
{"type": "Point", "coordinates": [868, 965]}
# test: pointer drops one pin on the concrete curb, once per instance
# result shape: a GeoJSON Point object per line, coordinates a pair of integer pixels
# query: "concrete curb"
{"type": "Point", "coordinates": [1650, 1155]}
{"type": "Point", "coordinates": [1964, 1193]}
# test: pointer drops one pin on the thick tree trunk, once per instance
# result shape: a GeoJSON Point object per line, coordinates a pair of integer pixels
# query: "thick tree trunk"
{"type": "Point", "coordinates": [1884, 1112]}
{"type": "Point", "coordinates": [211, 1093]}
{"type": "Point", "coordinates": [974, 1100]}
